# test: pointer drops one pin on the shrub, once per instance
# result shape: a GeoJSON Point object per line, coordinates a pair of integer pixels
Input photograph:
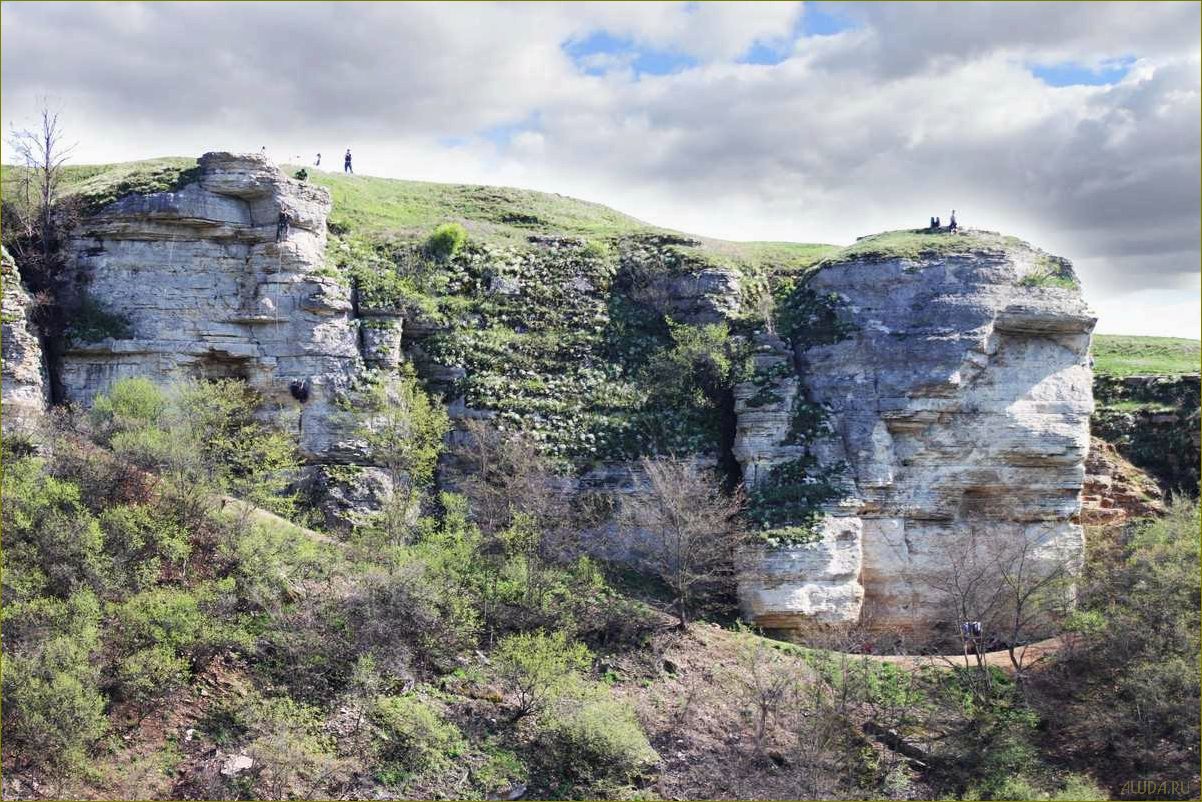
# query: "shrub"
{"type": "Point", "coordinates": [91, 322]}
{"type": "Point", "coordinates": [535, 667]}
{"type": "Point", "coordinates": [160, 617]}
{"type": "Point", "coordinates": [203, 436]}
{"type": "Point", "coordinates": [414, 735]}
{"type": "Point", "coordinates": [292, 753]}
{"type": "Point", "coordinates": [446, 240]}
{"type": "Point", "coordinates": [130, 404]}
{"type": "Point", "coordinates": [139, 541]}
{"type": "Point", "coordinates": [52, 709]}
{"type": "Point", "coordinates": [52, 542]}
{"type": "Point", "coordinates": [597, 744]}
{"type": "Point", "coordinates": [149, 675]}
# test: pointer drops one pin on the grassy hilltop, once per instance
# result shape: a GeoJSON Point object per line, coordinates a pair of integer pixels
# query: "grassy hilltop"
{"type": "Point", "coordinates": [1127, 355]}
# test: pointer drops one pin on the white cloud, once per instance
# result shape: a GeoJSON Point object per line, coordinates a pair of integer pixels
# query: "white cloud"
{"type": "Point", "coordinates": [923, 107]}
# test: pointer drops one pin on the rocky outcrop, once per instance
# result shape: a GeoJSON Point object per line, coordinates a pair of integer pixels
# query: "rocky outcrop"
{"type": "Point", "coordinates": [1153, 420]}
{"type": "Point", "coordinates": [1115, 491]}
{"type": "Point", "coordinates": [25, 386]}
{"type": "Point", "coordinates": [208, 284]}
{"type": "Point", "coordinates": [958, 404]}
{"type": "Point", "coordinates": [908, 401]}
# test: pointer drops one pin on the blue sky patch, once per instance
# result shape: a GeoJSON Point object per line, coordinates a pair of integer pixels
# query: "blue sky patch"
{"type": "Point", "coordinates": [814, 20]}
{"type": "Point", "coordinates": [1073, 74]}
{"type": "Point", "coordinates": [601, 51]}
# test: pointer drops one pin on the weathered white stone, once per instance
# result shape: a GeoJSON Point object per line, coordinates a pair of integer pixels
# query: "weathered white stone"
{"type": "Point", "coordinates": [24, 386]}
{"type": "Point", "coordinates": [961, 401]}
{"type": "Point", "coordinates": [209, 292]}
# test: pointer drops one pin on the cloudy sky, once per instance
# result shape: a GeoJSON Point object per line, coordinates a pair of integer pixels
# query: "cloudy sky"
{"type": "Point", "coordinates": [1075, 126]}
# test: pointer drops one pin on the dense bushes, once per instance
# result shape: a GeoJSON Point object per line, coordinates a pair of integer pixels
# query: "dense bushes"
{"type": "Point", "coordinates": [446, 240]}
{"type": "Point", "coordinates": [1126, 701]}
{"type": "Point", "coordinates": [595, 745]}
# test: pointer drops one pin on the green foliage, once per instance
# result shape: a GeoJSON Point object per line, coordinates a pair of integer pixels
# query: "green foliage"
{"type": "Point", "coordinates": [1051, 271]}
{"type": "Point", "coordinates": [96, 185]}
{"type": "Point", "coordinates": [404, 428]}
{"type": "Point", "coordinates": [414, 736]}
{"type": "Point", "coordinates": [141, 542]}
{"type": "Point", "coordinates": [446, 240]}
{"type": "Point", "coordinates": [1120, 355]}
{"type": "Point", "coordinates": [595, 744]}
{"type": "Point", "coordinates": [52, 709]}
{"type": "Point", "coordinates": [204, 436]}
{"type": "Point", "coordinates": [535, 667]}
{"type": "Point", "coordinates": [51, 539]}
{"type": "Point", "coordinates": [289, 745]}
{"type": "Point", "coordinates": [151, 674]}
{"type": "Point", "coordinates": [160, 617]}
{"type": "Point", "coordinates": [808, 318]}
{"type": "Point", "coordinates": [91, 322]}
{"type": "Point", "coordinates": [918, 243]}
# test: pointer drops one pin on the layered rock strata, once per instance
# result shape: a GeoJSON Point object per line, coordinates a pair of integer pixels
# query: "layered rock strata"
{"type": "Point", "coordinates": [210, 285]}
{"type": "Point", "coordinates": [959, 403]}
{"type": "Point", "coordinates": [25, 385]}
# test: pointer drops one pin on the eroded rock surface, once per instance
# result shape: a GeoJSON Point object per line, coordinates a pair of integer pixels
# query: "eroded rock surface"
{"type": "Point", "coordinates": [959, 404]}
{"type": "Point", "coordinates": [26, 388]}
{"type": "Point", "coordinates": [211, 287]}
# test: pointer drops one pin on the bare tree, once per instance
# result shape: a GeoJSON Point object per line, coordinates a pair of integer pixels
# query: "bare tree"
{"type": "Point", "coordinates": [768, 683]}
{"type": "Point", "coordinates": [42, 152]}
{"type": "Point", "coordinates": [967, 583]}
{"type": "Point", "coordinates": [1011, 585]}
{"type": "Point", "coordinates": [503, 474]}
{"type": "Point", "coordinates": [1035, 591]}
{"type": "Point", "coordinates": [687, 525]}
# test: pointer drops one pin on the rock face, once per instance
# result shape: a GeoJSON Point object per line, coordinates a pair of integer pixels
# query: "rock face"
{"type": "Point", "coordinates": [212, 287]}
{"type": "Point", "coordinates": [1116, 491]}
{"type": "Point", "coordinates": [26, 388]}
{"type": "Point", "coordinates": [958, 404]}
{"type": "Point", "coordinates": [1154, 422]}
{"type": "Point", "coordinates": [949, 395]}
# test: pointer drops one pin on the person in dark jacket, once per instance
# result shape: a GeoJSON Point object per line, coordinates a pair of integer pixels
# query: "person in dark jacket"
{"type": "Point", "coordinates": [283, 226]}
{"type": "Point", "coordinates": [346, 163]}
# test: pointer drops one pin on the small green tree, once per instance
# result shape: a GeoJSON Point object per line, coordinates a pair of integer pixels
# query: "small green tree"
{"type": "Point", "coordinates": [595, 743]}
{"type": "Point", "coordinates": [535, 667]}
{"type": "Point", "coordinates": [446, 240]}
{"type": "Point", "coordinates": [404, 429]}
{"type": "Point", "coordinates": [414, 735]}
{"type": "Point", "coordinates": [52, 708]}
{"type": "Point", "coordinates": [150, 675]}
{"type": "Point", "coordinates": [204, 437]}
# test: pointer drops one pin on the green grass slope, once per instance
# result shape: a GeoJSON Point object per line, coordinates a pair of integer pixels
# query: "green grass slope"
{"type": "Point", "coordinates": [386, 208]}
{"type": "Point", "coordinates": [1126, 355]}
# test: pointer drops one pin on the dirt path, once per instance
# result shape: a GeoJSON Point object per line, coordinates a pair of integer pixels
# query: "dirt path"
{"type": "Point", "coordinates": [233, 507]}
{"type": "Point", "coordinates": [1034, 653]}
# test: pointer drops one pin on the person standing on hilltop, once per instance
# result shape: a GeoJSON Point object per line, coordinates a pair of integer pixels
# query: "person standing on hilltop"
{"type": "Point", "coordinates": [951, 226]}
{"type": "Point", "coordinates": [346, 163]}
{"type": "Point", "coordinates": [317, 161]}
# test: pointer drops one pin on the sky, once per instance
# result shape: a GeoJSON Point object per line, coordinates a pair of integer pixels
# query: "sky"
{"type": "Point", "coordinates": [1074, 126]}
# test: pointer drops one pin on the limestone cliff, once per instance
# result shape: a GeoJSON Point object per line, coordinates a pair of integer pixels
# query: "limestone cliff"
{"type": "Point", "coordinates": [907, 390]}
{"type": "Point", "coordinates": [26, 388]}
{"type": "Point", "coordinates": [204, 288]}
{"type": "Point", "coordinates": [957, 400]}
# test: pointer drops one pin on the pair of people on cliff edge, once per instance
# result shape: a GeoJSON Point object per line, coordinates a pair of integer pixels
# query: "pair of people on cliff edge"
{"type": "Point", "coordinates": [951, 226]}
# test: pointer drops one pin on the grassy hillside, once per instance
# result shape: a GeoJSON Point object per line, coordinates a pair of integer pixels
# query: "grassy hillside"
{"type": "Point", "coordinates": [1126, 355]}
{"type": "Point", "coordinates": [391, 208]}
